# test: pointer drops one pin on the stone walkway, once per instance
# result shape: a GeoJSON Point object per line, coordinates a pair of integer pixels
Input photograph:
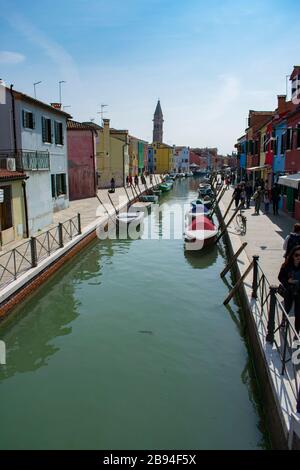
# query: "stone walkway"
{"type": "Point", "coordinates": [265, 236]}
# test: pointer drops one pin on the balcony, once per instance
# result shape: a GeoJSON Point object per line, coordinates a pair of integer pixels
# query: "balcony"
{"type": "Point", "coordinates": [24, 160]}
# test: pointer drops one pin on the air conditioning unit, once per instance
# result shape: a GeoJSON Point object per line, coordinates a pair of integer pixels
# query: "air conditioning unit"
{"type": "Point", "coordinates": [11, 164]}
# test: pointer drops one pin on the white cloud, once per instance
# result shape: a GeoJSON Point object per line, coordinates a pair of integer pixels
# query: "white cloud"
{"type": "Point", "coordinates": [11, 58]}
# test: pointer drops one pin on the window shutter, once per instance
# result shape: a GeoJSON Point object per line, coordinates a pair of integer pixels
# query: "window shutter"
{"type": "Point", "coordinates": [33, 121]}
{"type": "Point", "coordinates": [23, 118]}
{"type": "Point", "coordinates": [44, 134]}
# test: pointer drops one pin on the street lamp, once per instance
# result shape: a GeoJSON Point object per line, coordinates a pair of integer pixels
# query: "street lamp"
{"type": "Point", "coordinates": [62, 81]}
{"type": "Point", "coordinates": [34, 86]}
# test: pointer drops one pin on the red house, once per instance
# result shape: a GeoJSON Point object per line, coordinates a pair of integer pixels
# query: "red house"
{"type": "Point", "coordinates": [81, 160]}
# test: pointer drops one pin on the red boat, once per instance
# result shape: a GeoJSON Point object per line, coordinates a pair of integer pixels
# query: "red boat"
{"type": "Point", "coordinates": [200, 233]}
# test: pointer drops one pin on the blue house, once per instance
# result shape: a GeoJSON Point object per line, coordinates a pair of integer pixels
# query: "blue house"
{"type": "Point", "coordinates": [242, 156]}
{"type": "Point", "coordinates": [151, 166]}
{"type": "Point", "coordinates": [280, 149]}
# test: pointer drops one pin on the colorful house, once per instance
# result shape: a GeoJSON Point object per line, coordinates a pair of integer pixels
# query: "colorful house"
{"type": "Point", "coordinates": [163, 158]}
{"type": "Point", "coordinates": [241, 157]}
{"type": "Point", "coordinates": [112, 157]}
{"type": "Point", "coordinates": [13, 209]}
{"type": "Point", "coordinates": [33, 139]}
{"type": "Point", "coordinates": [150, 159]}
{"type": "Point", "coordinates": [81, 160]}
{"type": "Point", "coordinates": [182, 158]}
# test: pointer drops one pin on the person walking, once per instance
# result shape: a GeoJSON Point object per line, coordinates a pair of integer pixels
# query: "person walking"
{"type": "Point", "coordinates": [267, 202]}
{"type": "Point", "coordinates": [257, 200]}
{"type": "Point", "coordinates": [275, 197]}
{"type": "Point", "coordinates": [289, 276]}
{"type": "Point", "coordinates": [136, 180]}
{"type": "Point", "coordinates": [249, 193]}
{"type": "Point", "coordinates": [292, 240]}
{"type": "Point", "coordinates": [130, 180]}
{"type": "Point", "coordinates": [237, 195]}
{"type": "Point", "coordinates": [243, 196]}
{"type": "Point", "coordinates": [151, 178]}
{"type": "Point", "coordinates": [112, 185]}
{"type": "Point", "coordinates": [127, 181]}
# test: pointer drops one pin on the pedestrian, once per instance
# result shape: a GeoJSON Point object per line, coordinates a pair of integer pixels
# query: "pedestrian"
{"type": "Point", "coordinates": [237, 195]}
{"type": "Point", "coordinates": [292, 240]}
{"type": "Point", "coordinates": [243, 197]}
{"type": "Point", "coordinates": [143, 180]}
{"type": "Point", "coordinates": [275, 197]}
{"type": "Point", "coordinates": [233, 179]}
{"type": "Point", "coordinates": [112, 185]}
{"type": "Point", "coordinates": [130, 180]}
{"type": "Point", "coordinates": [136, 180]}
{"type": "Point", "coordinates": [151, 178]}
{"type": "Point", "coordinates": [289, 276]}
{"type": "Point", "coordinates": [249, 193]}
{"type": "Point", "coordinates": [127, 181]}
{"type": "Point", "coordinates": [257, 200]}
{"type": "Point", "coordinates": [266, 201]}
{"type": "Point", "coordinates": [227, 182]}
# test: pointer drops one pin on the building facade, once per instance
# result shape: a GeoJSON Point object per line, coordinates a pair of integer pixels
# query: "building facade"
{"type": "Point", "coordinates": [182, 159]}
{"type": "Point", "coordinates": [33, 139]}
{"type": "Point", "coordinates": [81, 160]}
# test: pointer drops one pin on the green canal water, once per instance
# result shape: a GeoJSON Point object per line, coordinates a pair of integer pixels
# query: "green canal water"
{"type": "Point", "coordinates": [130, 347]}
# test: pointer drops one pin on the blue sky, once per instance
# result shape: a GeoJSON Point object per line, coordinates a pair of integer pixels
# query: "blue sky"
{"type": "Point", "coordinates": [209, 62]}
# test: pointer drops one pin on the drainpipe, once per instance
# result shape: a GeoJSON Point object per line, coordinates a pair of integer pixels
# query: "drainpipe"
{"type": "Point", "coordinates": [94, 161]}
{"type": "Point", "coordinates": [14, 117]}
{"type": "Point", "coordinates": [25, 207]}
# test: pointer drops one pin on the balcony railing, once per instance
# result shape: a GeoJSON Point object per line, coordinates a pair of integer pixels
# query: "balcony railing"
{"type": "Point", "coordinates": [24, 160]}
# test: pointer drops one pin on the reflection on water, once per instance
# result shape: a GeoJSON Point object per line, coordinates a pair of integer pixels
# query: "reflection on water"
{"type": "Point", "coordinates": [129, 346]}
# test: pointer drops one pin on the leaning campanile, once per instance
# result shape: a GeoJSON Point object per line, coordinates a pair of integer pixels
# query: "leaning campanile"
{"type": "Point", "coordinates": [158, 124]}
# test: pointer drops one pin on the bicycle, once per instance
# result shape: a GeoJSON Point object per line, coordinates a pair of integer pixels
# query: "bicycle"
{"type": "Point", "coordinates": [241, 221]}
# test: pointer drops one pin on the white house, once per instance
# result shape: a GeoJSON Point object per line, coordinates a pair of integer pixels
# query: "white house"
{"type": "Point", "coordinates": [33, 139]}
{"type": "Point", "coordinates": [182, 157]}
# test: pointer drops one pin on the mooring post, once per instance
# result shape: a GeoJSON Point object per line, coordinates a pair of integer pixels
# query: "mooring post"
{"type": "Point", "coordinates": [60, 235]}
{"type": "Point", "coordinates": [79, 223]}
{"type": "Point", "coordinates": [33, 252]}
{"type": "Point", "coordinates": [255, 277]}
{"type": "Point", "coordinates": [116, 210]}
{"type": "Point", "coordinates": [228, 223]}
{"type": "Point", "coordinates": [271, 315]}
{"type": "Point", "coordinates": [228, 208]}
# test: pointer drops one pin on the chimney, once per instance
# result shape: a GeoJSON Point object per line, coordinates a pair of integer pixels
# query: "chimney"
{"type": "Point", "coordinates": [281, 103]}
{"type": "Point", "coordinates": [106, 138]}
{"type": "Point", "coordinates": [56, 105]}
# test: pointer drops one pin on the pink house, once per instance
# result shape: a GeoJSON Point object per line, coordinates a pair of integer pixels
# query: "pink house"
{"type": "Point", "coordinates": [81, 160]}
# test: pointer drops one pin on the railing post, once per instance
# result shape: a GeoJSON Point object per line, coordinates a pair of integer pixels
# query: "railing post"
{"type": "Point", "coordinates": [255, 277]}
{"type": "Point", "coordinates": [33, 252]}
{"type": "Point", "coordinates": [60, 235]}
{"type": "Point", "coordinates": [79, 223]}
{"type": "Point", "coordinates": [298, 402]}
{"type": "Point", "coordinates": [271, 315]}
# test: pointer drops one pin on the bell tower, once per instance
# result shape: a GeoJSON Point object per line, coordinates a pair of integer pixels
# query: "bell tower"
{"type": "Point", "coordinates": [158, 124]}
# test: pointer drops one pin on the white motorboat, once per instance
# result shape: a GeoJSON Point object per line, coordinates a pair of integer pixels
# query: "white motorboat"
{"type": "Point", "coordinates": [200, 234]}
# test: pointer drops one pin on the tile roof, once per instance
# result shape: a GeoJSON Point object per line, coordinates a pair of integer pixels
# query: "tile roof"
{"type": "Point", "coordinates": [21, 96]}
{"type": "Point", "coordinates": [74, 125]}
{"type": "Point", "coordinates": [11, 175]}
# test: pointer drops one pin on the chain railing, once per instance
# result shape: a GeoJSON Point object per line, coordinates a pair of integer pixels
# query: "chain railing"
{"type": "Point", "coordinates": [27, 255]}
{"type": "Point", "coordinates": [278, 327]}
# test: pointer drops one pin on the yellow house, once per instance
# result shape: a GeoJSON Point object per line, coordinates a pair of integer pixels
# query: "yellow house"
{"type": "Point", "coordinates": [111, 155]}
{"type": "Point", "coordinates": [163, 156]}
{"type": "Point", "coordinates": [13, 208]}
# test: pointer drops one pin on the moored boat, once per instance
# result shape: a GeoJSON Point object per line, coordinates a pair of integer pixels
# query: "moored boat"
{"type": "Point", "coordinates": [149, 198]}
{"type": "Point", "coordinates": [200, 233]}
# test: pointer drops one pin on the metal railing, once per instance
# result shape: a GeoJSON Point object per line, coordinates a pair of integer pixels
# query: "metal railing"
{"type": "Point", "coordinates": [24, 160]}
{"type": "Point", "coordinates": [27, 255]}
{"type": "Point", "coordinates": [278, 327]}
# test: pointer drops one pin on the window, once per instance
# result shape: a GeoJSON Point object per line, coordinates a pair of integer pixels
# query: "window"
{"type": "Point", "coordinates": [58, 185]}
{"type": "Point", "coordinates": [46, 130]}
{"type": "Point", "coordinates": [289, 134]}
{"type": "Point", "coordinates": [28, 120]}
{"type": "Point", "coordinates": [298, 136]}
{"type": "Point", "coordinates": [5, 209]}
{"type": "Point", "coordinates": [59, 135]}
{"type": "Point", "coordinates": [283, 143]}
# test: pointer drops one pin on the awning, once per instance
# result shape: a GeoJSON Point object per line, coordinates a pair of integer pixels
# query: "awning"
{"type": "Point", "coordinates": [259, 168]}
{"type": "Point", "coordinates": [292, 181]}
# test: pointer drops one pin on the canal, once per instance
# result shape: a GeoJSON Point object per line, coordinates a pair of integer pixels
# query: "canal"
{"type": "Point", "coordinates": [129, 346]}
